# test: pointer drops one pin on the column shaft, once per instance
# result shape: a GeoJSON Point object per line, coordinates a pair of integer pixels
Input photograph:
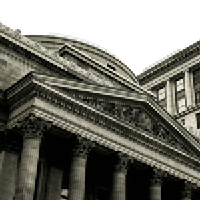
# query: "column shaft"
{"type": "Point", "coordinates": [119, 186]}
{"type": "Point", "coordinates": [155, 192]}
{"type": "Point", "coordinates": [77, 178]}
{"type": "Point", "coordinates": [170, 98]}
{"type": "Point", "coordinates": [28, 169]}
{"type": "Point", "coordinates": [8, 173]}
{"type": "Point", "coordinates": [188, 89]}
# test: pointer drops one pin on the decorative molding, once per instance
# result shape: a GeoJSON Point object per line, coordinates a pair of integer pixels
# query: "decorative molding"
{"type": "Point", "coordinates": [158, 177]}
{"type": "Point", "coordinates": [122, 163]}
{"type": "Point", "coordinates": [188, 189]}
{"type": "Point", "coordinates": [55, 59]}
{"type": "Point", "coordinates": [93, 136]}
{"type": "Point", "coordinates": [82, 147]}
{"type": "Point", "coordinates": [33, 127]}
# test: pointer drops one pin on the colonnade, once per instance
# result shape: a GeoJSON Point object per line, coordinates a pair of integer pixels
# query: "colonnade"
{"type": "Point", "coordinates": [28, 170]}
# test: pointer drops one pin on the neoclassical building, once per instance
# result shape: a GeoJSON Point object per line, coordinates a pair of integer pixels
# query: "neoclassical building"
{"type": "Point", "coordinates": [77, 124]}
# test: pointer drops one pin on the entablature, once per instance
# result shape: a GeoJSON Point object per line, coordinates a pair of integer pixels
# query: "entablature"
{"type": "Point", "coordinates": [30, 93]}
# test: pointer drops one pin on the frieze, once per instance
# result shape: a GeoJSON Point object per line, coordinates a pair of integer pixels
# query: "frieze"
{"type": "Point", "coordinates": [134, 116]}
{"type": "Point", "coordinates": [125, 116]}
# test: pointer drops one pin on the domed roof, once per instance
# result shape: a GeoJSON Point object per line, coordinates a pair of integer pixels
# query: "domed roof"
{"type": "Point", "coordinates": [54, 43]}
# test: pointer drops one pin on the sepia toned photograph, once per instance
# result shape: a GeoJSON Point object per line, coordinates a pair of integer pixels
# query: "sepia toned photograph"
{"type": "Point", "coordinates": [99, 100]}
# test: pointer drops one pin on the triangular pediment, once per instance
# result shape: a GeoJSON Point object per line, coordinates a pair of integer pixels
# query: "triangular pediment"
{"type": "Point", "coordinates": [131, 111]}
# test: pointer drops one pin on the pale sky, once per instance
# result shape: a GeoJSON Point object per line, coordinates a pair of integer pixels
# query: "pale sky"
{"type": "Point", "coordinates": [139, 33]}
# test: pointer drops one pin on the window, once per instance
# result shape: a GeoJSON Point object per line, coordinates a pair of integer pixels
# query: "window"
{"type": "Point", "coordinates": [198, 120]}
{"type": "Point", "coordinates": [196, 74]}
{"type": "Point", "coordinates": [179, 85]}
{"type": "Point", "coordinates": [161, 94]}
{"type": "Point", "coordinates": [181, 105]}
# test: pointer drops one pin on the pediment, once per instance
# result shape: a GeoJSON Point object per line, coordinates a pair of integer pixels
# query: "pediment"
{"type": "Point", "coordinates": [127, 114]}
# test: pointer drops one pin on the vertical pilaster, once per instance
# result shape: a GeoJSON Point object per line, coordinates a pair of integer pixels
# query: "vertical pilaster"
{"type": "Point", "coordinates": [78, 169]}
{"type": "Point", "coordinates": [32, 129]}
{"type": "Point", "coordinates": [54, 184]}
{"type": "Point", "coordinates": [189, 87]}
{"type": "Point", "coordinates": [156, 185]}
{"type": "Point", "coordinates": [118, 191]}
{"type": "Point", "coordinates": [171, 108]}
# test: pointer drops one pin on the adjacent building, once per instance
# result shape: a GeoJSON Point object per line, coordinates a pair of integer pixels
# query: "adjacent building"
{"type": "Point", "coordinates": [175, 82]}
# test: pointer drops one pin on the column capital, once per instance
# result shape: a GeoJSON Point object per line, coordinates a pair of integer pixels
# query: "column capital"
{"type": "Point", "coordinates": [158, 177]}
{"type": "Point", "coordinates": [187, 190]}
{"type": "Point", "coordinates": [33, 126]}
{"type": "Point", "coordinates": [82, 147]}
{"type": "Point", "coordinates": [122, 162]}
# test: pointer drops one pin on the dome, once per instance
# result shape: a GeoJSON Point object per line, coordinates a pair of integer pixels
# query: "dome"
{"type": "Point", "coordinates": [54, 43]}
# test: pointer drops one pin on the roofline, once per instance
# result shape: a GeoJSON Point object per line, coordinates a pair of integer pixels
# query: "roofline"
{"type": "Point", "coordinates": [90, 45]}
{"type": "Point", "coordinates": [174, 60]}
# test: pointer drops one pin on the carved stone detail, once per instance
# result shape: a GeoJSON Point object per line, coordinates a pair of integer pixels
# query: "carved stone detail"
{"type": "Point", "coordinates": [187, 190]}
{"type": "Point", "coordinates": [122, 163]}
{"type": "Point", "coordinates": [82, 147]}
{"type": "Point", "coordinates": [158, 177]}
{"type": "Point", "coordinates": [33, 126]}
{"type": "Point", "coordinates": [135, 116]}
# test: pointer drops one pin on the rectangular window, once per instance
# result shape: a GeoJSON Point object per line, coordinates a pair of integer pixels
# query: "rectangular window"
{"type": "Point", "coordinates": [180, 95]}
{"type": "Point", "coordinates": [179, 85]}
{"type": "Point", "coordinates": [198, 120]}
{"type": "Point", "coordinates": [181, 105]}
{"type": "Point", "coordinates": [196, 74]}
{"type": "Point", "coordinates": [161, 94]}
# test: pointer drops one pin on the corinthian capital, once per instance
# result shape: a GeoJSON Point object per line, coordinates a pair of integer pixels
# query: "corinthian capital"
{"type": "Point", "coordinates": [158, 177]}
{"type": "Point", "coordinates": [33, 126]}
{"type": "Point", "coordinates": [188, 189]}
{"type": "Point", "coordinates": [122, 163]}
{"type": "Point", "coordinates": [82, 147]}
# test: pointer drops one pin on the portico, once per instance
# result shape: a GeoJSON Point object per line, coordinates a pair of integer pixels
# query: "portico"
{"type": "Point", "coordinates": [88, 160]}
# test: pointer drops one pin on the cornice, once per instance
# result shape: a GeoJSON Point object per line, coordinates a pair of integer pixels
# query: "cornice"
{"type": "Point", "coordinates": [177, 59]}
{"type": "Point", "coordinates": [78, 130]}
{"type": "Point", "coordinates": [36, 88]}
{"type": "Point", "coordinates": [97, 117]}
{"type": "Point", "coordinates": [27, 46]}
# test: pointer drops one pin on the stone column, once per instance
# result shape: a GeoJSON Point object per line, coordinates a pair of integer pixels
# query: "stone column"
{"type": "Point", "coordinates": [78, 169]}
{"type": "Point", "coordinates": [32, 129]}
{"type": "Point", "coordinates": [118, 191]}
{"type": "Point", "coordinates": [8, 172]}
{"type": "Point", "coordinates": [189, 89]}
{"type": "Point", "coordinates": [156, 185]}
{"type": "Point", "coordinates": [187, 191]}
{"type": "Point", "coordinates": [171, 108]}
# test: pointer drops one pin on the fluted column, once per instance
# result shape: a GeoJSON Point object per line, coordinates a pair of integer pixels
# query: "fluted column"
{"type": "Point", "coordinates": [171, 109]}
{"type": "Point", "coordinates": [32, 129]}
{"type": "Point", "coordinates": [118, 191]}
{"type": "Point", "coordinates": [78, 169]}
{"type": "Point", "coordinates": [187, 191]}
{"type": "Point", "coordinates": [156, 185]}
{"type": "Point", "coordinates": [189, 89]}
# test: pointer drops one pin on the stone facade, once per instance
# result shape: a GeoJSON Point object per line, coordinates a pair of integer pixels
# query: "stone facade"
{"type": "Point", "coordinates": [73, 128]}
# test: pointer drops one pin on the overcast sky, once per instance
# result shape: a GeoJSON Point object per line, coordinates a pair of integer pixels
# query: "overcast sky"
{"type": "Point", "coordinates": [139, 33]}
